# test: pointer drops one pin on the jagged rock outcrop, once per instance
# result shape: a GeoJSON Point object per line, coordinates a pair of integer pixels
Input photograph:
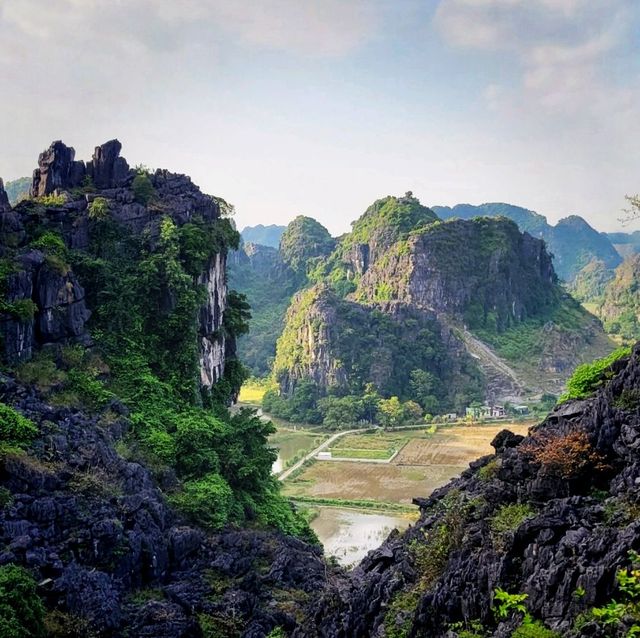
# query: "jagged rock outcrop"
{"type": "Point", "coordinates": [107, 549]}
{"type": "Point", "coordinates": [483, 281]}
{"type": "Point", "coordinates": [107, 169]}
{"type": "Point", "coordinates": [4, 199]}
{"type": "Point", "coordinates": [57, 169]}
{"type": "Point", "coordinates": [453, 266]}
{"type": "Point", "coordinates": [60, 312]}
{"type": "Point", "coordinates": [578, 521]}
{"type": "Point", "coordinates": [60, 301]}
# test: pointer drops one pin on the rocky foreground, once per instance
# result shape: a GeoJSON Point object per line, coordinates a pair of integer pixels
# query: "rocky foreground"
{"type": "Point", "coordinates": [110, 553]}
{"type": "Point", "coordinates": [553, 516]}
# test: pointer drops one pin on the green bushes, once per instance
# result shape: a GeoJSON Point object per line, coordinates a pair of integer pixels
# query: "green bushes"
{"type": "Point", "coordinates": [98, 209]}
{"type": "Point", "coordinates": [207, 501]}
{"type": "Point", "coordinates": [52, 200]}
{"type": "Point", "coordinates": [142, 187]}
{"type": "Point", "coordinates": [50, 242]}
{"type": "Point", "coordinates": [534, 629]}
{"type": "Point", "coordinates": [21, 610]}
{"type": "Point", "coordinates": [588, 377]}
{"type": "Point", "coordinates": [15, 429]}
{"type": "Point", "coordinates": [507, 519]}
{"type": "Point", "coordinates": [622, 618]}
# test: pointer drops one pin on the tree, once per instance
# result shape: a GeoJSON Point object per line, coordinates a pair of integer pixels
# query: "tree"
{"type": "Point", "coordinates": [423, 386]}
{"type": "Point", "coordinates": [340, 411]}
{"type": "Point", "coordinates": [390, 412]}
{"type": "Point", "coordinates": [633, 212]}
{"type": "Point", "coordinates": [142, 187]}
{"type": "Point", "coordinates": [411, 412]}
{"type": "Point", "coordinates": [21, 610]}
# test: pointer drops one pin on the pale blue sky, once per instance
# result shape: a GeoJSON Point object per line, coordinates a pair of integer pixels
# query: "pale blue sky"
{"type": "Point", "coordinates": [320, 107]}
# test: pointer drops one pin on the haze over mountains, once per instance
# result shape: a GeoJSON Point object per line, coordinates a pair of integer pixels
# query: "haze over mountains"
{"type": "Point", "coordinates": [573, 242]}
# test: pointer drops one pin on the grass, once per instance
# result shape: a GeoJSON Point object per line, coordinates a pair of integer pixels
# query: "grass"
{"type": "Point", "coordinates": [354, 453]}
{"type": "Point", "coordinates": [386, 442]}
{"type": "Point", "coordinates": [252, 392]}
{"type": "Point", "coordinates": [361, 504]}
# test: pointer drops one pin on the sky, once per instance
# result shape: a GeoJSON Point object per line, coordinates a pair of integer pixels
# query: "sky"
{"type": "Point", "coordinates": [320, 107]}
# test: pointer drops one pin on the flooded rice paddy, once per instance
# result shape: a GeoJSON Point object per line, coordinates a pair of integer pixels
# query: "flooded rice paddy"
{"type": "Point", "coordinates": [349, 535]}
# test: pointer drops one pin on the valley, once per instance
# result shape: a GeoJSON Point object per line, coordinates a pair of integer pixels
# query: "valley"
{"type": "Point", "coordinates": [367, 488]}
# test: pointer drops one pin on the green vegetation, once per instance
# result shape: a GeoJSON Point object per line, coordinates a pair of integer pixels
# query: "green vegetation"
{"type": "Point", "coordinates": [588, 377]}
{"type": "Point", "coordinates": [391, 218]}
{"type": "Point", "coordinates": [15, 429]}
{"type": "Point", "coordinates": [506, 604]}
{"type": "Point", "coordinates": [507, 519]}
{"type": "Point", "coordinates": [304, 241]}
{"type": "Point", "coordinates": [52, 200]}
{"type": "Point", "coordinates": [268, 285]}
{"type": "Point", "coordinates": [143, 189]}
{"type": "Point", "coordinates": [22, 309]}
{"type": "Point", "coordinates": [145, 299]}
{"type": "Point", "coordinates": [359, 341]}
{"type": "Point", "coordinates": [620, 618]}
{"type": "Point", "coordinates": [98, 209]}
{"type": "Point", "coordinates": [21, 610]}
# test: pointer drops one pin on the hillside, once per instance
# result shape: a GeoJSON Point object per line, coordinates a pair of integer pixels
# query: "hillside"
{"type": "Point", "coordinates": [572, 241]}
{"type": "Point", "coordinates": [432, 289]}
{"type": "Point", "coordinates": [119, 461]}
{"type": "Point", "coordinates": [613, 296]}
{"type": "Point", "coordinates": [268, 283]}
{"type": "Point", "coordinates": [133, 503]}
{"type": "Point", "coordinates": [17, 189]}
{"type": "Point", "coordinates": [269, 278]}
{"type": "Point", "coordinates": [264, 235]}
{"type": "Point", "coordinates": [626, 244]}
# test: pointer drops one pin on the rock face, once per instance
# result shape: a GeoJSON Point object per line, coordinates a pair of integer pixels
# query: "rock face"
{"type": "Point", "coordinates": [107, 169]}
{"type": "Point", "coordinates": [62, 311]}
{"type": "Point", "coordinates": [98, 534]}
{"type": "Point", "coordinates": [343, 345]}
{"type": "Point", "coordinates": [4, 199]}
{"type": "Point", "coordinates": [482, 281]}
{"type": "Point", "coordinates": [572, 242]}
{"type": "Point", "coordinates": [59, 312]}
{"type": "Point", "coordinates": [57, 168]}
{"type": "Point", "coordinates": [577, 523]}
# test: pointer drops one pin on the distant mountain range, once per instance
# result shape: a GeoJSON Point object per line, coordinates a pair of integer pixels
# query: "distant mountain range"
{"type": "Point", "coordinates": [17, 189]}
{"type": "Point", "coordinates": [572, 241]}
{"type": "Point", "coordinates": [263, 235]}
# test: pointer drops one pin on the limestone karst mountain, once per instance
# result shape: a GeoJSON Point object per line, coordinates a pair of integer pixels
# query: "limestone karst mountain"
{"type": "Point", "coordinates": [474, 303]}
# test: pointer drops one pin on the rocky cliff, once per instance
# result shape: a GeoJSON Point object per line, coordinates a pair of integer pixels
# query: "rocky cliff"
{"type": "Point", "coordinates": [113, 559]}
{"type": "Point", "coordinates": [572, 242]}
{"type": "Point", "coordinates": [135, 501]}
{"type": "Point", "coordinates": [44, 299]}
{"type": "Point", "coordinates": [472, 281]}
{"type": "Point", "coordinates": [613, 295]}
{"type": "Point", "coordinates": [550, 517]}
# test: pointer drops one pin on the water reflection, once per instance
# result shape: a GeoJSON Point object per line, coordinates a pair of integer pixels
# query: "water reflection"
{"type": "Point", "coordinates": [350, 534]}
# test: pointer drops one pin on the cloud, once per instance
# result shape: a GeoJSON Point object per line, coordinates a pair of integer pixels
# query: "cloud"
{"type": "Point", "coordinates": [571, 61]}
{"type": "Point", "coordinates": [313, 27]}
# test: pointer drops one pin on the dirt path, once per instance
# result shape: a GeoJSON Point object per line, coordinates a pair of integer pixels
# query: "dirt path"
{"type": "Point", "coordinates": [502, 379]}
